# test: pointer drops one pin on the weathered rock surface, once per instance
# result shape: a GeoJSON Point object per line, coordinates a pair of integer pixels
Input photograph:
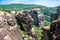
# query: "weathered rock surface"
{"type": "Point", "coordinates": [29, 18]}
{"type": "Point", "coordinates": [8, 28]}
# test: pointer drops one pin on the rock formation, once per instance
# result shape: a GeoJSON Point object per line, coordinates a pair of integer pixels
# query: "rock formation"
{"type": "Point", "coordinates": [8, 24]}
{"type": "Point", "coordinates": [52, 32]}
{"type": "Point", "coordinates": [33, 16]}
{"type": "Point", "coordinates": [55, 30]}
{"type": "Point", "coordinates": [29, 18]}
{"type": "Point", "coordinates": [8, 27]}
{"type": "Point", "coordinates": [55, 16]}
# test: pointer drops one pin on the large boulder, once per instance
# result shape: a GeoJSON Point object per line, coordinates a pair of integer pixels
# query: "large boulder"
{"type": "Point", "coordinates": [8, 27]}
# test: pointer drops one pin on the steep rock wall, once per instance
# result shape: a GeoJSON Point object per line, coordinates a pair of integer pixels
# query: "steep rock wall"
{"type": "Point", "coordinates": [8, 28]}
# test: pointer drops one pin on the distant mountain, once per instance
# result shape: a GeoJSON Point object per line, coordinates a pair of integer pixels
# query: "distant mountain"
{"type": "Point", "coordinates": [45, 10]}
{"type": "Point", "coordinates": [20, 6]}
{"type": "Point", "coordinates": [52, 9]}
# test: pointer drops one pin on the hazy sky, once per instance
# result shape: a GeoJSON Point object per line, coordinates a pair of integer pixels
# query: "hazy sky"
{"type": "Point", "coordinates": [49, 3]}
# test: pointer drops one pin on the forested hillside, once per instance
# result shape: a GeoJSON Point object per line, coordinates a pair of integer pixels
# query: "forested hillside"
{"type": "Point", "coordinates": [45, 10]}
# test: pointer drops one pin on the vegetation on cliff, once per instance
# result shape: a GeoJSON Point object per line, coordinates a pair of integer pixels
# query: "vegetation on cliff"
{"type": "Point", "coordinates": [45, 10]}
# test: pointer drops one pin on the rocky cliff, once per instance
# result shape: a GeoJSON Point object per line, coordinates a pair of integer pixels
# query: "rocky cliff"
{"type": "Point", "coordinates": [8, 27]}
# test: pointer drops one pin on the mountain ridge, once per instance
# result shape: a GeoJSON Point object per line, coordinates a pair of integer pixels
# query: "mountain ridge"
{"type": "Point", "coordinates": [45, 10]}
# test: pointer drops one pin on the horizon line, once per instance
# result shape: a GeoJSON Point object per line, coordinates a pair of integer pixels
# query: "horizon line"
{"type": "Point", "coordinates": [27, 4]}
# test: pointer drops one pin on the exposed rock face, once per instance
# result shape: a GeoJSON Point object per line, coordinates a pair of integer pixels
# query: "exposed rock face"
{"type": "Point", "coordinates": [38, 17]}
{"type": "Point", "coordinates": [11, 34]}
{"type": "Point", "coordinates": [55, 16]}
{"type": "Point", "coordinates": [29, 18]}
{"type": "Point", "coordinates": [55, 30]}
{"type": "Point", "coordinates": [8, 28]}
